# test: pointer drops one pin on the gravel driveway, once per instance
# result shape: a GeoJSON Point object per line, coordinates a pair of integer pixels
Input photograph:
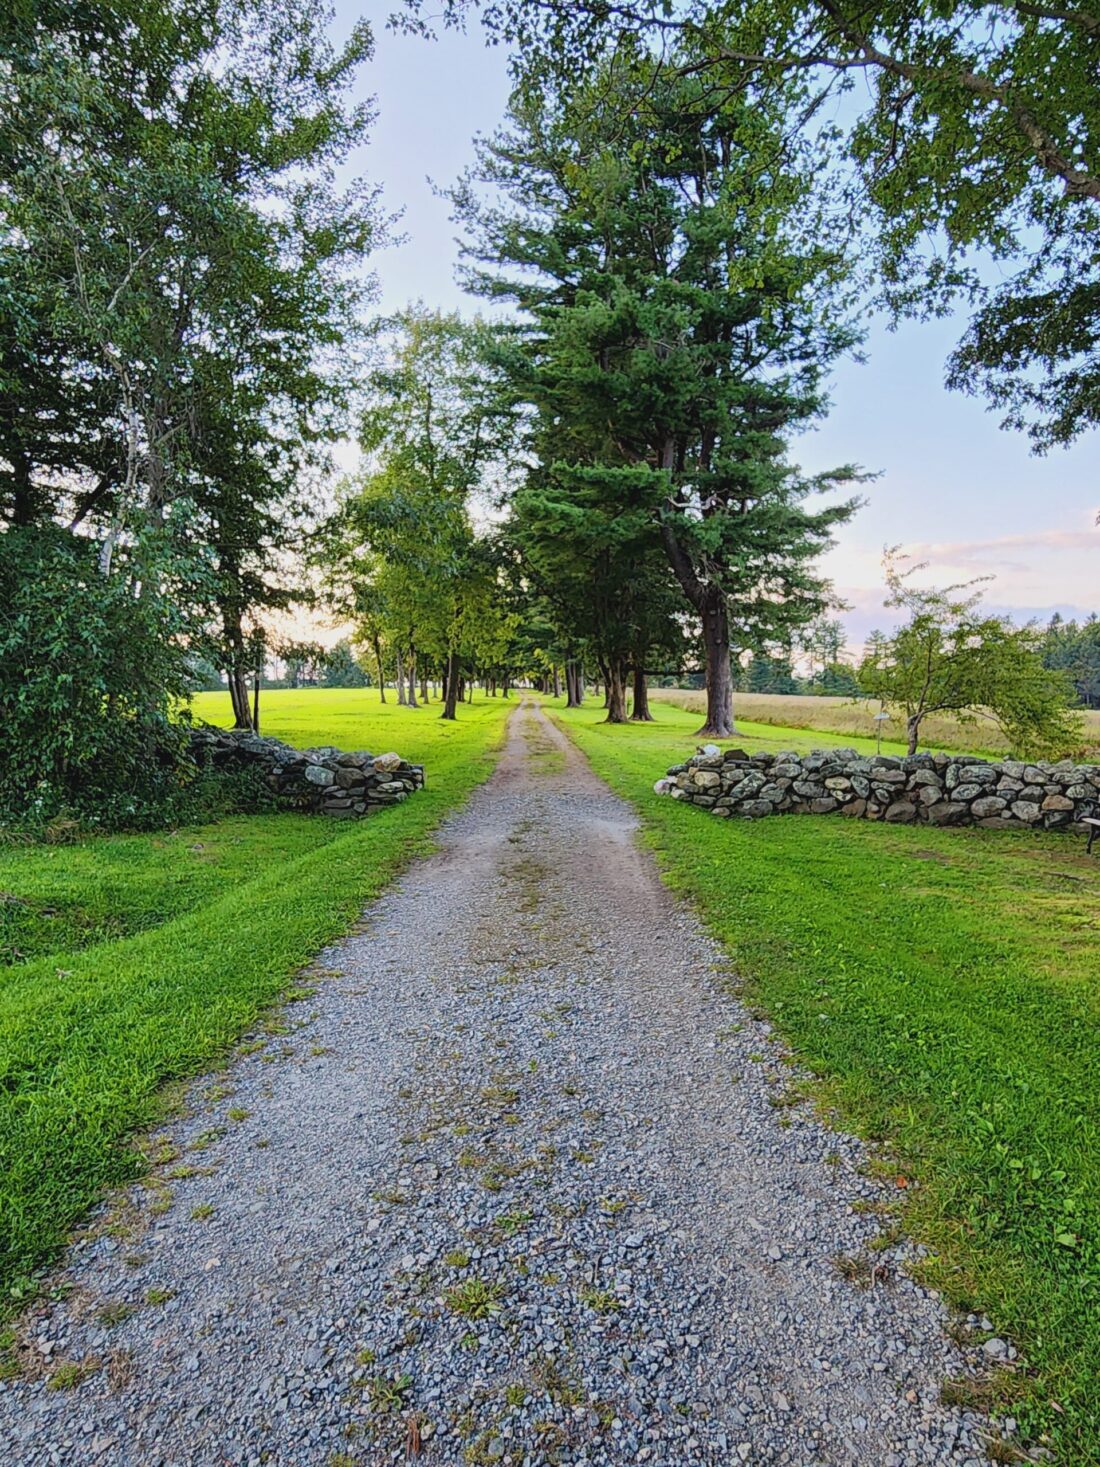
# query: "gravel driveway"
{"type": "Point", "coordinates": [517, 1186]}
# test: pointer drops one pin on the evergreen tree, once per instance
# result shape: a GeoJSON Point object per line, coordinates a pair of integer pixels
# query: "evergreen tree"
{"type": "Point", "coordinates": [681, 310]}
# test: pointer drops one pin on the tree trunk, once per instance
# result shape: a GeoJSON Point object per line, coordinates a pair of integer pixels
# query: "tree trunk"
{"type": "Point", "coordinates": [238, 693]}
{"type": "Point", "coordinates": [710, 603]}
{"type": "Point", "coordinates": [571, 698]}
{"type": "Point", "coordinates": [399, 678]}
{"type": "Point", "coordinates": [605, 675]}
{"type": "Point", "coordinates": [424, 688]}
{"type": "Point", "coordinates": [381, 669]}
{"type": "Point", "coordinates": [716, 644]}
{"type": "Point", "coordinates": [557, 682]}
{"type": "Point", "coordinates": [640, 712]}
{"type": "Point", "coordinates": [616, 692]}
{"type": "Point", "coordinates": [912, 727]}
{"type": "Point", "coordinates": [450, 686]}
{"type": "Point", "coordinates": [412, 680]}
{"type": "Point", "coordinates": [256, 701]}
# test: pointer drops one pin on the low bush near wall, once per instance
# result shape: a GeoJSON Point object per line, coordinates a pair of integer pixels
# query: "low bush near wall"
{"type": "Point", "coordinates": [941, 789]}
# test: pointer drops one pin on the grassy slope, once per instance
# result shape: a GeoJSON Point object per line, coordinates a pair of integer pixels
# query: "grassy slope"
{"type": "Point", "coordinates": [88, 1037]}
{"type": "Point", "coordinates": [945, 983]}
{"type": "Point", "coordinates": [845, 716]}
{"type": "Point", "coordinates": [63, 899]}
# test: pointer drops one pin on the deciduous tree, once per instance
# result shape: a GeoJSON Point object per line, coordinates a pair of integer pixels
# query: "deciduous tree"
{"type": "Point", "coordinates": [949, 657]}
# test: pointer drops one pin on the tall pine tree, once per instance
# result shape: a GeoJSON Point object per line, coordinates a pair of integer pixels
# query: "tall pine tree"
{"type": "Point", "coordinates": [683, 306]}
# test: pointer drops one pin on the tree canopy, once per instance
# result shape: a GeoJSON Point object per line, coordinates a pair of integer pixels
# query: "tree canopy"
{"type": "Point", "coordinates": [964, 128]}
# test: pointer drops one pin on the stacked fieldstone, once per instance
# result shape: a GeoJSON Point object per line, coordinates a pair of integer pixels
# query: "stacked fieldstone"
{"type": "Point", "coordinates": [942, 789]}
{"type": "Point", "coordinates": [344, 785]}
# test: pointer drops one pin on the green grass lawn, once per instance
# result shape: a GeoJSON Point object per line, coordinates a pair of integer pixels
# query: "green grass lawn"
{"type": "Point", "coordinates": [130, 961]}
{"type": "Point", "coordinates": [945, 984]}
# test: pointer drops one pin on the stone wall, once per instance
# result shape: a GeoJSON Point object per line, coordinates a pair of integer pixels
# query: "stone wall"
{"type": "Point", "coordinates": [346, 786]}
{"type": "Point", "coordinates": [940, 789]}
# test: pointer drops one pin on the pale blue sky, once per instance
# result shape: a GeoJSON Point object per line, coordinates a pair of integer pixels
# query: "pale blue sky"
{"type": "Point", "coordinates": [955, 488]}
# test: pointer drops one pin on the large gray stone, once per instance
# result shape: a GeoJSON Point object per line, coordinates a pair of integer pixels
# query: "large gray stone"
{"type": "Point", "coordinates": [1029, 811]}
{"type": "Point", "coordinates": [968, 791]}
{"type": "Point", "coordinates": [948, 812]}
{"type": "Point", "coordinates": [988, 805]}
{"type": "Point", "coordinates": [901, 812]}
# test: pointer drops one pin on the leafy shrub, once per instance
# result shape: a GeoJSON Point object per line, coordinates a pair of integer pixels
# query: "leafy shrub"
{"type": "Point", "coordinates": [91, 666]}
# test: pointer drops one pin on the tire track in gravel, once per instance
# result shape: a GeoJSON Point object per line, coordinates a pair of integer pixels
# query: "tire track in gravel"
{"type": "Point", "coordinates": [516, 1191]}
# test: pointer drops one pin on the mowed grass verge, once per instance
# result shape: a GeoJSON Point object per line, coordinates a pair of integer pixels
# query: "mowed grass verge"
{"type": "Point", "coordinates": [214, 922]}
{"type": "Point", "coordinates": [945, 986]}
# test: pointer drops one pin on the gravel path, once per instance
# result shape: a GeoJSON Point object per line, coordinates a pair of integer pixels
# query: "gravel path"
{"type": "Point", "coordinates": [517, 1189]}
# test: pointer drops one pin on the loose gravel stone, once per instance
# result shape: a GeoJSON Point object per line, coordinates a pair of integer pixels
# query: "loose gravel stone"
{"type": "Point", "coordinates": [515, 1188]}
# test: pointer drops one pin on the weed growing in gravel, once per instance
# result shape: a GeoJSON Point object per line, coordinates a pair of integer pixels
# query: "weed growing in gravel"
{"type": "Point", "coordinates": [120, 1369]}
{"type": "Point", "coordinates": [387, 1394]}
{"type": "Point", "coordinates": [457, 1260]}
{"type": "Point", "coordinates": [474, 1299]}
{"type": "Point", "coordinates": [238, 1113]}
{"type": "Point", "coordinates": [393, 1195]}
{"type": "Point", "coordinates": [600, 1301]}
{"type": "Point", "coordinates": [207, 1138]}
{"type": "Point", "coordinates": [510, 1223]}
{"type": "Point", "coordinates": [114, 1314]}
{"type": "Point", "coordinates": [201, 1211]}
{"type": "Point", "coordinates": [10, 1367]}
{"type": "Point", "coordinates": [159, 1296]}
{"type": "Point", "coordinates": [72, 1373]}
{"type": "Point", "coordinates": [560, 1380]}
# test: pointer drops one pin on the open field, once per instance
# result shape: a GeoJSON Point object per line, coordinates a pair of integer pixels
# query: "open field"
{"type": "Point", "coordinates": [944, 985]}
{"type": "Point", "coordinates": [846, 717]}
{"type": "Point", "coordinates": [129, 961]}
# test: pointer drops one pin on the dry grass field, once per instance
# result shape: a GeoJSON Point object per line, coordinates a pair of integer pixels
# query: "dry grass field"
{"type": "Point", "coordinates": [847, 716]}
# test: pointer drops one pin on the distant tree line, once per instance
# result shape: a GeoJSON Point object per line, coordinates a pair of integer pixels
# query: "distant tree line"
{"type": "Point", "coordinates": [1074, 648]}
